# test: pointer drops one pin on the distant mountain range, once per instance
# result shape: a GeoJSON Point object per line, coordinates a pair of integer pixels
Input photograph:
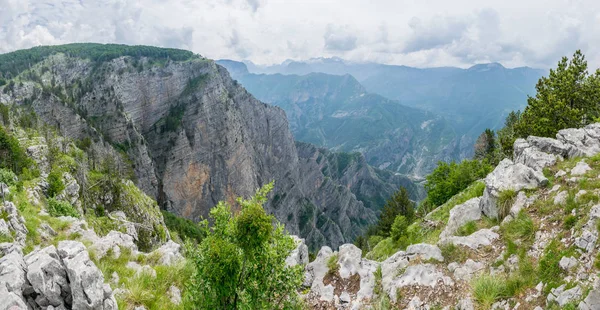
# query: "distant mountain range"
{"type": "Point", "coordinates": [472, 99]}
{"type": "Point", "coordinates": [336, 111]}
{"type": "Point", "coordinates": [402, 118]}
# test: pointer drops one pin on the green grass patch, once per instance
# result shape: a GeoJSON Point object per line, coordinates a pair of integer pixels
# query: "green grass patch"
{"type": "Point", "coordinates": [467, 229]}
{"type": "Point", "coordinates": [332, 264]}
{"type": "Point", "coordinates": [488, 289]}
{"type": "Point", "coordinates": [506, 199]}
{"type": "Point", "coordinates": [520, 228]}
{"type": "Point", "coordinates": [454, 253]}
{"type": "Point", "coordinates": [58, 208]}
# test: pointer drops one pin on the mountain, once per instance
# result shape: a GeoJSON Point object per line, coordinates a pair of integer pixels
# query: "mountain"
{"type": "Point", "coordinates": [472, 99]}
{"type": "Point", "coordinates": [337, 112]}
{"type": "Point", "coordinates": [190, 135]}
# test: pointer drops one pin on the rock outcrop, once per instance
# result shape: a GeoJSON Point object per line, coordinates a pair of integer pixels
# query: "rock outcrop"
{"type": "Point", "coordinates": [193, 137]}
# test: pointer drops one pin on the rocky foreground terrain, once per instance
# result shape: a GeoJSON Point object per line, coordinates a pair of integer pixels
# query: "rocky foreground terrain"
{"type": "Point", "coordinates": [536, 249]}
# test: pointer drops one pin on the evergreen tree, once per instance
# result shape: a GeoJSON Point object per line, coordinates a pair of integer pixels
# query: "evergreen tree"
{"type": "Point", "coordinates": [567, 98]}
{"type": "Point", "coordinates": [398, 204]}
{"type": "Point", "coordinates": [507, 135]}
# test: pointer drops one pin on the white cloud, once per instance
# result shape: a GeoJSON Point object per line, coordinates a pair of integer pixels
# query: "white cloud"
{"type": "Point", "coordinates": [417, 33]}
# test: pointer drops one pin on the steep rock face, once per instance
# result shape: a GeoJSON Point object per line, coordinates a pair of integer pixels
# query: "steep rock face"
{"type": "Point", "coordinates": [192, 137]}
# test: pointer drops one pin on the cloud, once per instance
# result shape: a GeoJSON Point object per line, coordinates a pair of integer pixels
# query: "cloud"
{"type": "Point", "coordinates": [424, 34]}
{"type": "Point", "coordinates": [339, 38]}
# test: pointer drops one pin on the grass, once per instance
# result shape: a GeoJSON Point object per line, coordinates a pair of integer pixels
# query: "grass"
{"type": "Point", "coordinates": [520, 228]}
{"type": "Point", "coordinates": [467, 229]}
{"type": "Point", "coordinates": [454, 253]}
{"type": "Point", "coordinates": [488, 289]}
{"type": "Point", "coordinates": [332, 264]}
{"type": "Point", "coordinates": [59, 208]}
{"type": "Point", "coordinates": [506, 199]}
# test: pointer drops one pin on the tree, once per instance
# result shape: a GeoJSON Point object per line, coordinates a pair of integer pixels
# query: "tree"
{"type": "Point", "coordinates": [485, 146]}
{"type": "Point", "coordinates": [398, 204]}
{"type": "Point", "coordinates": [240, 264]}
{"type": "Point", "coordinates": [567, 98]}
{"type": "Point", "coordinates": [448, 179]}
{"type": "Point", "coordinates": [507, 135]}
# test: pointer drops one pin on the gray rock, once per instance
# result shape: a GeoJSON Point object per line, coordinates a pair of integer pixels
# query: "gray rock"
{"type": "Point", "coordinates": [591, 301]}
{"type": "Point", "coordinates": [561, 198]}
{"type": "Point", "coordinates": [508, 176]}
{"type": "Point", "coordinates": [349, 259]}
{"type": "Point", "coordinates": [4, 230]}
{"type": "Point", "coordinates": [391, 267]}
{"type": "Point", "coordinates": [465, 304]}
{"type": "Point", "coordinates": [469, 269]}
{"type": "Point", "coordinates": [345, 298]}
{"type": "Point", "coordinates": [580, 169]}
{"type": "Point", "coordinates": [522, 201]}
{"type": "Point", "coordinates": [460, 215]}
{"type": "Point", "coordinates": [560, 174]}
{"type": "Point", "coordinates": [139, 269]}
{"type": "Point", "coordinates": [298, 256]}
{"type": "Point", "coordinates": [15, 222]}
{"type": "Point", "coordinates": [538, 153]}
{"type": "Point", "coordinates": [13, 272]}
{"type": "Point", "coordinates": [170, 253]}
{"type": "Point", "coordinates": [113, 241]}
{"type": "Point", "coordinates": [425, 251]}
{"type": "Point", "coordinates": [562, 296]}
{"type": "Point", "coordinates": [86, 280]}
{"type": "Point", "coordinates": [581, 141]}
{"type": "Point", "coordinates": [421, 275]}
{"type": "Point", "coordinates": [587, 240]}
{"type": "Point", "coordinates": [315, 271]}
{"type": "Point", "coordinates": [48, 277]}
{"type": "Point", "coordinates": [483, 237]}
{"type": "Point", "coordinates": [175, 295]}
{"type": "Point", "coordinates": [4, 190]}
{"type": "Point", "coordinates": [11, 300]}
{"type": "Point", "coordinates": [567, 263]}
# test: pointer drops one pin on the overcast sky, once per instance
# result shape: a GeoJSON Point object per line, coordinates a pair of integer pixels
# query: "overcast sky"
{"type": "Point", "coordinates": [418, 33]}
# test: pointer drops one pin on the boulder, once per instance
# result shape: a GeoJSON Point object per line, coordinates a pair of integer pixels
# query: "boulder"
{"type": "Point", "coordinates": [580, 169]}
{"type": "Point", "coordinates": [315, 271]}
{"type": "Point", "coordinates": [367, 279]}
{"type": "Point", "coordinates": [587, 240]}
{"type": "Point", "coordinates": [113, 241]}
{"type": "Point", "coordinates": [175, 295]}
{"type": "Point", "coordinates": [461, 215]}
{"type": "Point", "coordinates": [592, 301]}
{"type": "Point", "coordinates": [13, 281]}
{"type": "Point", "coordinates": [467, 270]}
{"type": "Point", "coordinates": [15, 222]}
{"type": "Point", "coordinates": [86, 280]}
{"type": "Point", "coordinates": [4, 191]}
{"type": "Point", "coordinates": [562, 296]}
{"type": "Point", "coordinates": [581, 141]}
{"type": "Point", "coordinates": [483, 237]}
{"type": "Point", "coordinates": [561, 198]}
{"type": "Point", "coordinates": [567, 263]}
{"type": "Point", "coordinates": [169, 253]}
{"type": "Point", "coordinates": [425, 251]}
{"type": "Point", "coordinates": [465, 304]}
{"type": "Point", "coordinates": [522, 201]}
{"type": "Point", "coordinates": [391, 266]}
{"type": "Point", "coordinates": [48, 277]}
{"type": "Point", "coordinates": [139, 269]}
{"type": "Point", "coordinates": [349, 259]}
{"type": "Point", "coordinates": [538, 153]}
{"type": "Point", "coordinates": [298, 256]}
{"type": "Point", "coordinates": [508, 176]}
{"type": "Point", "coordinates": [417, 275]}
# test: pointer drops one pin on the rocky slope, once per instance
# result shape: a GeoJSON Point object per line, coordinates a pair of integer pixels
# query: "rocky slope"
{"type": "Point", "coordinates": [337, 112]}
{"type": "Point", "coordinates": [526, 240]}
{"type": "Point", "coordinates": [190, 134]}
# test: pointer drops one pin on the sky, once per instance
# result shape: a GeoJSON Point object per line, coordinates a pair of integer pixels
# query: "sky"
{"type": "Point", "coordinates": [420, 33]}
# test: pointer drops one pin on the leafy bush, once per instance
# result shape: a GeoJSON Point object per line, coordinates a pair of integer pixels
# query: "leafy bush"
{"type": "Point", "coordinates": [398, 204]}
{"type": "Point", "coordinates": [7, 177]}
{"type": "Point", "coordinates": [399, 228]}
{"type": "Point", "coordinates": [241, 262]}
{"type": "Point", "coordinates": [12, 155]}
{"type": "Point", "coordinates": [447, 180]}
{"type": "Point", "coordinates": [55, 183]}
{"type": "Point", "coordinates": [58, 208]}
{"type": "Point", "coordinates": [185, 228]}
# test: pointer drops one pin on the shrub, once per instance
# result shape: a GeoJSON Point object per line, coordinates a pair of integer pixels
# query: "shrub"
{"type": "Point", "coordinates": [399, 227]}
{"type": "Point", "coordinates": [185, 228]}
{"type": "Point", "coordinates": [398, 204]}
{"type": "Point", "coordinates": [58, 208]}
{"type": "Point", "coordinates": [55, 183]}
{"type": "Point", "coordinates": [448, 179]}
{"type": "Point", "coordinates": [12, 155]}
{"type": "Point", "coordinates": [8, 177]}
{"type": "Point", "coordinates": [241, 262]}
{"type": "Point", "coordinates": [487, 289]}
{"type": "Point", "coordinates": [332, 264]}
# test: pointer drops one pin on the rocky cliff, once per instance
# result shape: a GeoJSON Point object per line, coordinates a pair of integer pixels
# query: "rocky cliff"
{"type": "Point", "coordinates": [191, 135]}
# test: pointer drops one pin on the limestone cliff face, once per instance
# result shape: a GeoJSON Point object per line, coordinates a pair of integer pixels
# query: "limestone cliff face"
{"type": "Point", "coordinates": [193, 137]}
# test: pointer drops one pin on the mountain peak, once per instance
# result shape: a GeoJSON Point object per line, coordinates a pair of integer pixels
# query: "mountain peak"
{"type": "Point", "coordinates": [486, 67]}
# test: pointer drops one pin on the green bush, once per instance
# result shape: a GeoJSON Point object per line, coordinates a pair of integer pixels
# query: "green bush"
{"type": "Point", "coordinates": [332, 264]}
{"type": "Point", "coordinates": [399, 227]}
{"type": "Point", "coordinates": [55, 183]}
{"type": "Point", "coordinates": [241, 262]}
{"type": "Point", "coordinates": [12, 155]}
{"type": "Point", "coordinates": [398, 204]}
{"type": "Point", "coordinates": [7, 177]}
{"type": "Point", "coordinates": [186, 229]}
{"type": "Point", "coordinates": [58, 208]}
{"type": "Point", "coordinates": [448, 179]}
